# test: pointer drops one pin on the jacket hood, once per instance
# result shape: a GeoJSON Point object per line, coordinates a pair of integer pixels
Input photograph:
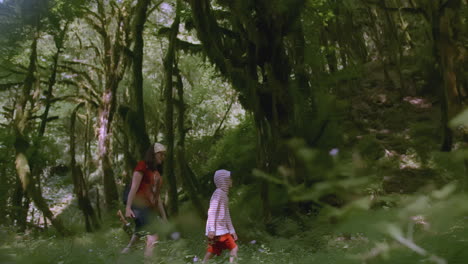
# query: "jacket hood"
{"type": "Point", "coordinates": [221, 179]}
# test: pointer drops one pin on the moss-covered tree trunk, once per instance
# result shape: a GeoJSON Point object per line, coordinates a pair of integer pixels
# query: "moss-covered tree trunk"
{"type": "Point", "coordinates": [141, 138]}
{"type": "Point", "coordinates": [105, 120]}
{"type": "Point", "coordinates": [394, 45]}
{"type": "Point", "coordinates": [19, 211]}
{"type": "Point", "coordinates": [169, 115]}
{"type": "Point", "coordinates": [87, 157]}
{"type": "Point", "coordinates": [187, 178]}
{"type": "Point", "coordinates": [328, 41]}
{"type": "Point", "coordinates": [79, 183]}
{"type": "Point", "coordinates": [115, 63]}
{"type": "Point", "coordinates": [446, 30]}
{"type": "Point", "coordinates": [3, 195]}
{"type": "Point", "coordinates": [377, 35]}
{"type": "Point", "coordinates": [256, 61]}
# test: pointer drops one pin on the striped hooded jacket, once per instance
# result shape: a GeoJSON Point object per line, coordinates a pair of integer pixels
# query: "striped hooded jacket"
{"type": "Point", "coordinates": [219, 218]}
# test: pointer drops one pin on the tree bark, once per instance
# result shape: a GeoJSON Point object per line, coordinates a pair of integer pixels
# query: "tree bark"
{"type": "Point", "coordinates": [328, 42]}
{"type": "Point", "coordinates": [79, 183]}
{"type": "Point", "coordinates": [261, 39]}
{"type": "Point", "coordinates": [378, 38]}
{"type": "Point", "coordinates": [395, 47]}
{"type": "Point", "coordinates": [115, 63]}
{"type": "Point", "coordinates": [19, 210]}
{"type": "Point", "coordinates": [105, 120]}
{"type": "Point", "coordinates": [445, 18]}
{"type": "Point", "coordinates": [169, 115]}
{"type": "Point", "coordinates": [226, 114]}
{"type": "Point", "coordinates": [3, 195]}
{"type": "Point", "coordinates": [182, 164]}
{"type": "Point", "coordinates": [142, 140]}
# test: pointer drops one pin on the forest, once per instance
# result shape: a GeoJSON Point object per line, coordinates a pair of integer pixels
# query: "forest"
{"type": "Point", "coordinates": [344, 124]}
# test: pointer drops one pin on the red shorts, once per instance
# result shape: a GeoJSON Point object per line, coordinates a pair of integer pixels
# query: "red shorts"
{"type": "Point", "coordinates": [219, 243]}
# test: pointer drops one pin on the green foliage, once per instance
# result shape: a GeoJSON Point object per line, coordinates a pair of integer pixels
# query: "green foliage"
{"type": "Point", "coordinates": [230, 151]}
{"type": "Point", "coordinates": [460, 120]}
{"type": "Point", "coordinates": [419, 219]}
{"type": "Point", "coordinates": [235, 151]}
{"type": "Point", "coordinates": [375, 199]}
{"type": "Point", "coordinates": [46, 152]}
{"type": "Point", "coordinates": [367, 228]}
{"type": "Point", "coordinates": [246, 218]}
{"type": "Point", "coordinates": [450, 166]}
{"type": "Point", "coordinates": [323, 10]}
{"type": "Point", "coordinates": [370, 148]}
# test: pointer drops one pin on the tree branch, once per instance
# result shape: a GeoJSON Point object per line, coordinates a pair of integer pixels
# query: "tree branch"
{"type": "Point", "coordinates": [224, 117]}
{"type": "Point", "coordinates": [151, 10]}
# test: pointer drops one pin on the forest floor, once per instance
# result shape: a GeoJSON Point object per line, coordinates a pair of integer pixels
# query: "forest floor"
{"type": "Point", "coordinates": [398, 131]}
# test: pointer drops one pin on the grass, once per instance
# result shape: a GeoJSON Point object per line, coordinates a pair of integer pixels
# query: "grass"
{"type": "Point", "coordinates": [319, 244]}
{"type": "Point", "coordinates": [104, 247]}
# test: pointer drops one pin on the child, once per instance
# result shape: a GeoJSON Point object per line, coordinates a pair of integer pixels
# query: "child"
{"type": "Point", "coordinates": [219, 229]}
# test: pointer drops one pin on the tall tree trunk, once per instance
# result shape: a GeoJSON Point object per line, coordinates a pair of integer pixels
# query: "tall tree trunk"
{"type": "Point", "coordinates": [395, 49]}
{"type": "Point", "coordinates": [301, 91]}
{"type": "Point", "coordinates": [353, 45]}
{"type": "Point", "coordinates": [3, 195]}
{"type": "Point", "coordinates": [98, 204]}
{"type": "Point", "coordinates": [169, 115]}
{"type": "Point", "coordinates": [105, 120]}
{"type": "Point", "coordinates": [142, 140]}
{"type": "Point", "coordinates": [270, 99]}
{"type": "Point", "coordinates": [87, 145]}
{"type": "Point", "coordinates": [79, 183]}
{"type": "Point", "coordinates": [378, 38]}
{"type": "Point", "coordinates": [130, 134]}
{"type": "Point", "coordinates": [445, 19]}
{"type": "Point", "coordinates": [263, 151]}
{"type": "Point", "coordinates": [115, 63]}
{"type": "Point", "coordinates": [327, 39]}
{"type": "Point", "coordinates": [19, 211]}
{"type": "Point", "coordinates": [182, 164]}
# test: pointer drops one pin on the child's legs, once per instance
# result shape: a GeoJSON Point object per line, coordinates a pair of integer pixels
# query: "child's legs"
{"type": "Point", "coordinates": [213, 249]}
{"type": "Point", "coordinates": [233, 254]}
{"type": "Point", "coordinates": [208, 255]}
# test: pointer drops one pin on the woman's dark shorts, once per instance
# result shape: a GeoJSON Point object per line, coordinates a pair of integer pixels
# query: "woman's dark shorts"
{"type": "Point", "coordinates": [145, 220]}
